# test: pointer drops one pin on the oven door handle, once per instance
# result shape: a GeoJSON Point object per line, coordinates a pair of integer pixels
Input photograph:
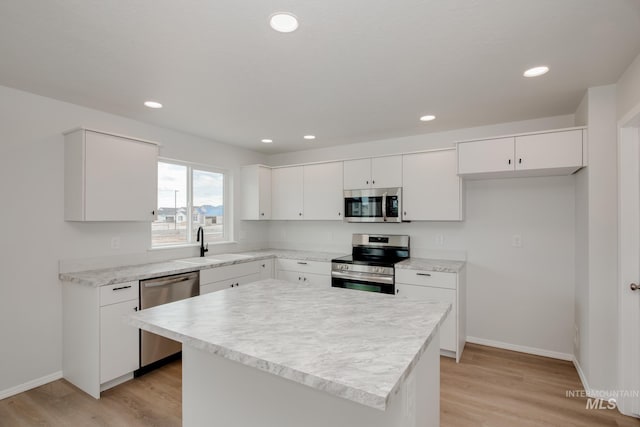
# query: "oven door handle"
{"type": "Point", "coordinates": [364, 277]}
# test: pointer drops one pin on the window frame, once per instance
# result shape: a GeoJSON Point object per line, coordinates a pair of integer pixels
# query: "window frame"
{"type": "Point", "coordinates": [227, 226]}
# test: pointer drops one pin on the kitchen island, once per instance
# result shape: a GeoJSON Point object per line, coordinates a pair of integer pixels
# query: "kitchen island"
{"type": "Point", "coordinates": [274, 353]}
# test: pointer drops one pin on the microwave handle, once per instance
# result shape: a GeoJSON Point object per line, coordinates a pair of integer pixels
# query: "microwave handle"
{"type": "Point", "coordinates": [384, 206]}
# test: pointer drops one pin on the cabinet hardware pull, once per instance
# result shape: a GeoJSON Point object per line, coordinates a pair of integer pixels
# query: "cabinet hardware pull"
{"type": "Point", "coordinates": [397, 291]}
{"type": "Point", "coordinates": [304, 279]}
{"type": "Point", "coordinates": [634, 287]}
{"type": "Point", "coordinates": [300, 214]}
{"type": "Point", "coordinates": [135, 309]}
{"type": "Point", "coordinates": [122, 287]}
{"type": "Point", "coordinates": [339, 213]}
{"type": "Point", "coordinates": [302, 263]}
{"type": "Point", "coordinates": [423, 274]}
{"type": "Point", "coordinates": [519, 161]}
{"type": "Point", "coordinates": [373, 182]}
{"type": "Point", "coordinates": [264, 265]}
{"type": "Point", "coordinates": [509, 161]}
{"type": "Point", "coordinates": [262, 214]}
{"type": "Point", "coordinates": [299, 278]}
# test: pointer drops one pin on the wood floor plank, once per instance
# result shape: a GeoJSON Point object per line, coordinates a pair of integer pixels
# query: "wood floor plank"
{"type": "Point", "coordinates": [489, 388]}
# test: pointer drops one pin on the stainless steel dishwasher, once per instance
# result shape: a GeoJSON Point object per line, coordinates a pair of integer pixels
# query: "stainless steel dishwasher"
{"type": "Point", "coordinates": [158, 291]}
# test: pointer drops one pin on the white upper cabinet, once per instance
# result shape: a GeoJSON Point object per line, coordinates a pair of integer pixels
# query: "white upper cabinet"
{"type": "Point", "coordinates": [323, 191]}
{"type": "Point", "coordinates": [540, 154]}
{"type": "Point", "coordinates": [287, 193]}
{"type": "Point", "coordinates": [109, 177]}
{"type": "Point", "coordinates": [432, 189]}
{"type": "Point", "coordinates": [490, 155]}
{"type": "Point", "coordinates": [378, 172]}
{"type": "Point", "coordinates": [256, 192]}
{"type": "Point", "coordinates": [557, 150]}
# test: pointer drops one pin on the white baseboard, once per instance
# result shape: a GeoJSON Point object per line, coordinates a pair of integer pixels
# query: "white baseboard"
{"type": "Point", "coordinates": [583, 378]}
{"type": "Point", "coordinates": [522, 349]}
{"type": "Point", "coordinates": [30, 384]}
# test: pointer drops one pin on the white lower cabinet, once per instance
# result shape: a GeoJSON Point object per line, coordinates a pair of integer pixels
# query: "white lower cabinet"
{"type": "Point", "coordinates": [99, 350]}
{"type": "Point", "coordinates": [446, 287]}
{"type": "Point", "coordinates": [315, 273]}
{"type": "Point", "coordinates": [230, 276]}
{"type": "Point", "coordinates": [119, 352]}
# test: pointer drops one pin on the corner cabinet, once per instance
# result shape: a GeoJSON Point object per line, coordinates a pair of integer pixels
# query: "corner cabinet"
{"type": "Point", "coordinates": [445, 287]}
{"type": "Point", "coordinates": [432, 191]}
{"type": "Point", "coordinates": [109, 177]}
{"type": "Point", "coordinates": [256, 192]}
{"type": "Point", "coordinates": [558, 152]}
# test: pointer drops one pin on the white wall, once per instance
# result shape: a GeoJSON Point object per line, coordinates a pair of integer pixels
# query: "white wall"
{"type": "Point", "coordinates": [596, 243]}
{"type": "Point", "coordinates": [628, 89]}
{"type": "Point", "coordinates": [426, 141]}
{"type": "Point", "coordinates": [35, 236]}
{"type": "Point", "coordinates": [518, 296]}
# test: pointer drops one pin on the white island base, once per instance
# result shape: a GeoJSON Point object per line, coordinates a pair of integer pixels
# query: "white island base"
{"type": "Point", "coordinates": [220, 392]}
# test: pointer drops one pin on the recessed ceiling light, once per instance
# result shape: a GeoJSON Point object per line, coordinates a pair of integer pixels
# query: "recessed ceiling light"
{"type": "Point", "coordinates": [283, 22]}
{"type": "Point", "coordinates": [309, 137]}
{"type": "Point", "coordinates": [267, 141]}
{"type": "Point", "coordinates": [536, 71]}
{"type": "Point", "coordinates": [152, 104]}
{"type": "Point", "coordinates": [427, 118]}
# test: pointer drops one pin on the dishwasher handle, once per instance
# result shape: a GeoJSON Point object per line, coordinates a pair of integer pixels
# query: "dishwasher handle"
{"type": "Point", "coordinates": [169, 281]}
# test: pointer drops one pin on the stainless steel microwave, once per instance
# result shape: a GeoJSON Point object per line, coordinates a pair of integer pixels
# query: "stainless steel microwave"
{"type": "Point", "coordinates": [373, 205]}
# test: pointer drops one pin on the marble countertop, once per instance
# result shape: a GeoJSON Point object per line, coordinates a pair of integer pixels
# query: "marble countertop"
{"type": "Point", "coordinates": [441, 265]}
{"type": "Point", "coordinates": [110, 276]}
{"type": "Point", "coordinates": [360, 346]}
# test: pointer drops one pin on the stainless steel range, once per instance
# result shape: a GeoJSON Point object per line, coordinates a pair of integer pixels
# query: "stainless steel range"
{"type": "Point", "coordinates": [370, 267]}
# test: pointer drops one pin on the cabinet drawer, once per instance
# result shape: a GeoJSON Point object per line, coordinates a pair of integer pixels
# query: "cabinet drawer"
{"type": "Point", "coordinates": [217, 274]}
{"type": "Point", "coordinates": [315, 267]}
{"type": "Point", "coordinates": [427, 278]}
{"type": "Point", "coordinates": [118, 293]}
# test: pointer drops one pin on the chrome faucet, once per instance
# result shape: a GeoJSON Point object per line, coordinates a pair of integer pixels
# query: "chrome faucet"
{"type": "Point", "coordinates": [199, 236]}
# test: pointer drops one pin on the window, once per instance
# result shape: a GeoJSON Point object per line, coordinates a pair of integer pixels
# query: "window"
{"type": "Point", "coordinates": [189, 197]}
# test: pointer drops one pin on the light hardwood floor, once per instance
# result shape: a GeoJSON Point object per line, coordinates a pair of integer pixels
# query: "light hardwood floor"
{"type": "Point", "coordinates": [490, 387]}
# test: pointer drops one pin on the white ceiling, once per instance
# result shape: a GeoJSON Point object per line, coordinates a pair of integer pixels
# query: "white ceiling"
{"type": "Point", "coordinates": [355, 70]}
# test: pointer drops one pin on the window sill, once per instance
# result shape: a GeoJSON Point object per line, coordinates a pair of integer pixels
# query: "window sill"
{"type": "Point", "coordinates": [190, 245]}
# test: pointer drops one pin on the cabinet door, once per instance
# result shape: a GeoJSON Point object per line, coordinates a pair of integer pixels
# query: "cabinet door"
{"type": "Point", "coordinates": [320, 280]}
{"type": "Point", "coordinates": [357, 174]}
{"type": "Point", "coordinates": [264, 193]}
{"type": "Point", "coordinates": [290, 276]}
{"type": "Point", "coordinates": [448, 332]}
{"type": "Point", "coordinates": [118, 341]}
{"type": "Point", "coordinates": [431, 187]}
{"type": "Point", "coordinates": [323, 197]}
{"type": "Point", "coordinates": [386, 172]}
{"type": "Point", "coordinates": [553, 150]}
{"type": "Point", "coordinates": [266, 269]}
{"type": "Point", "coordinates": [491, 155]}
{"type": "Point", "coordinates": [256, 192]}
{"type": "Point", "coordinates": [120, 178]}
{"type": "Point", "coordinates": [287, 189]}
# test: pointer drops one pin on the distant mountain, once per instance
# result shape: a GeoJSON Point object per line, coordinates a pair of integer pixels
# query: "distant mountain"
{"type": "Point", "coordinates": [209, 210]}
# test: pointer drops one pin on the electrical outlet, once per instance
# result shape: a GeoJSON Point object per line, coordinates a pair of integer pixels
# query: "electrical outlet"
{"type": "Point", "coordinates": [115, 242]}
{"type": "Point", "coordinates": [440, 239]}
{"type": "Point", "coordinates": [516, 241]}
